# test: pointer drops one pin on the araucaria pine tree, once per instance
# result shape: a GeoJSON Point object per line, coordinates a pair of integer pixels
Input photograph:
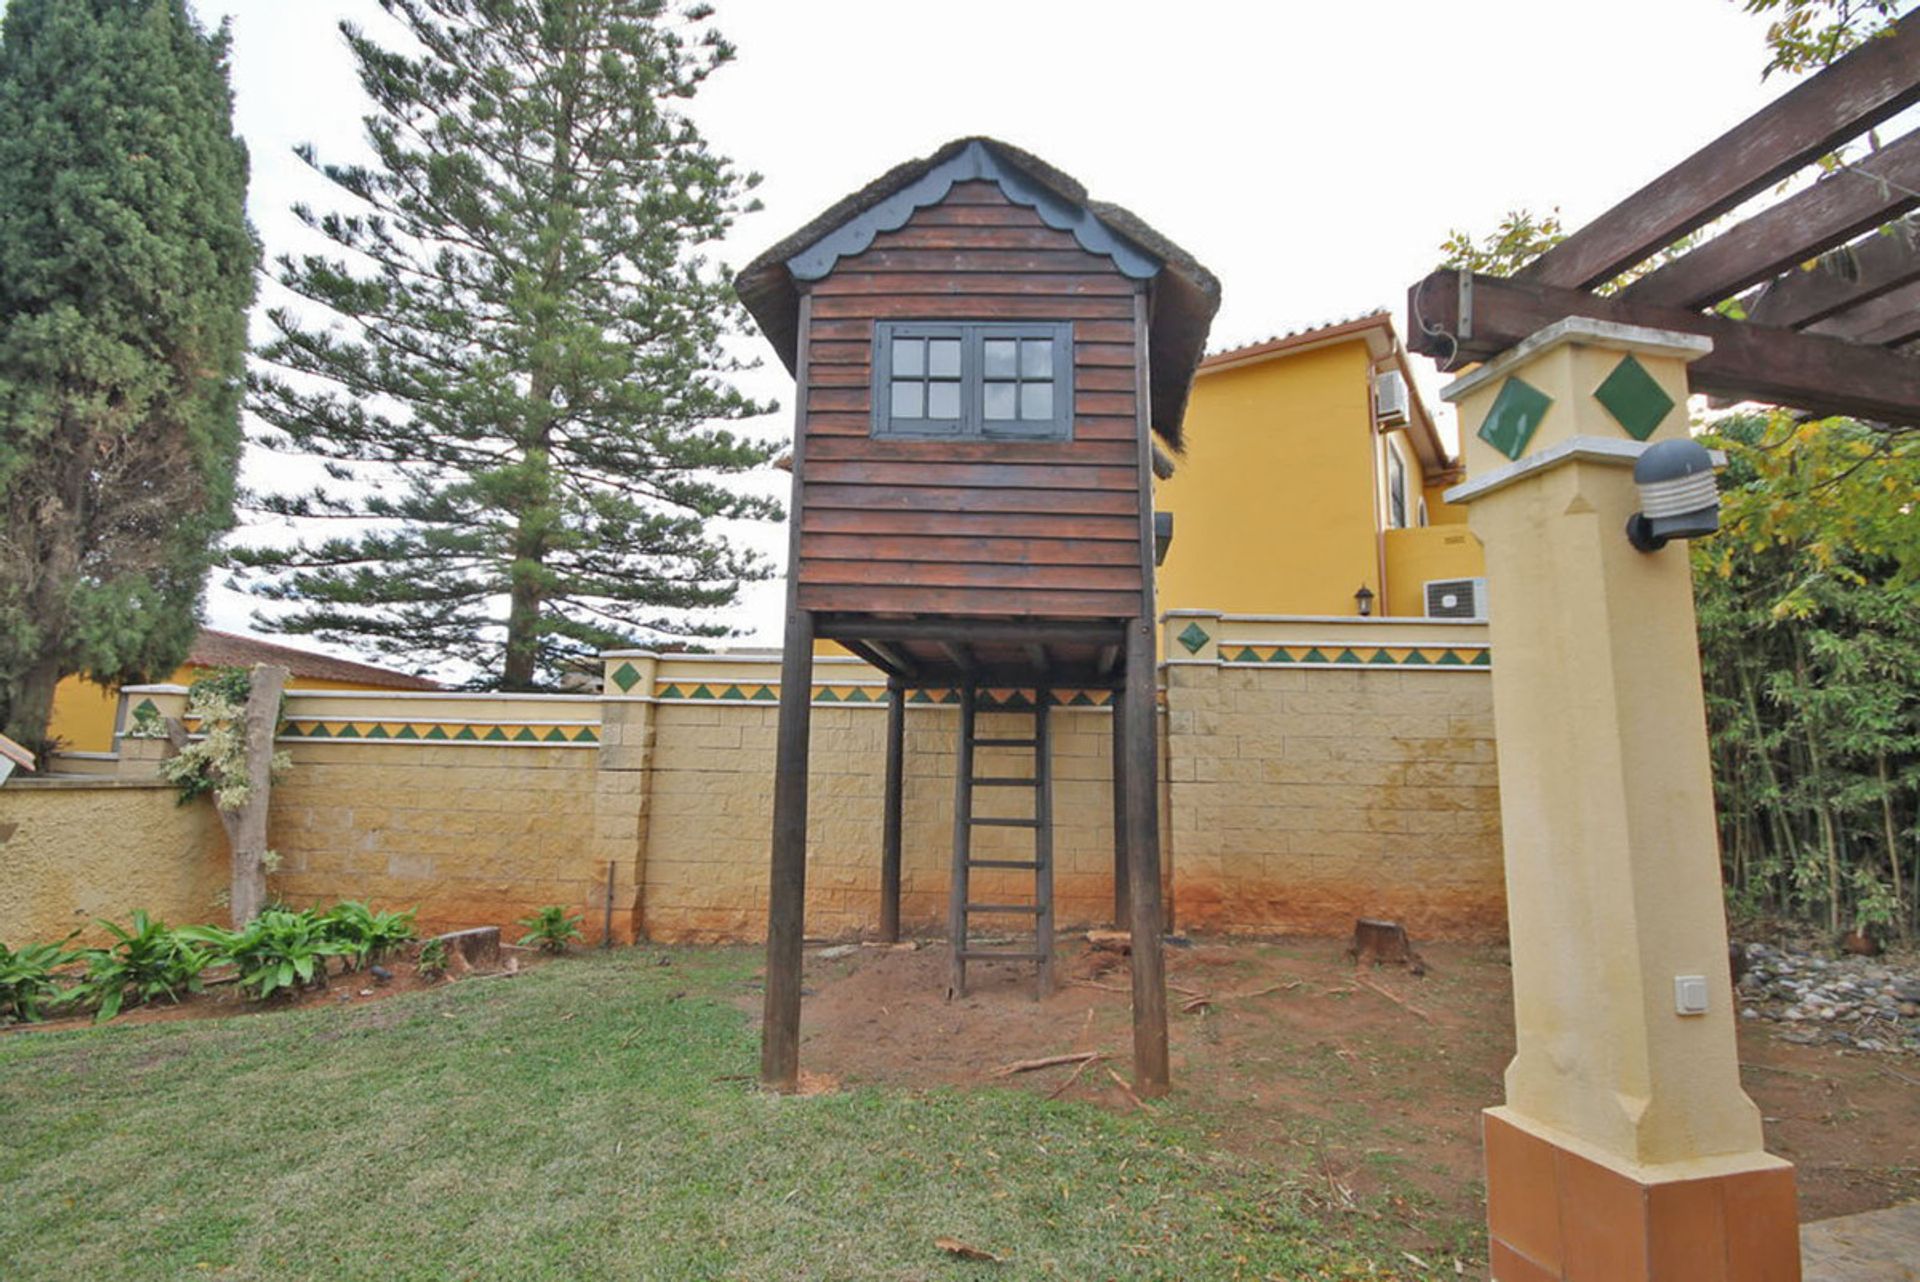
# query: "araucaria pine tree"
{"type": "Point", "coordinates": [521, 406]}
{"type": "Point", "coordinates": [126, 271]}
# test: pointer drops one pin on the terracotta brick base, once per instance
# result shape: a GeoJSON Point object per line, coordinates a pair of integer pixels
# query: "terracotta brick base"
{"type": "Point", "coordinates": [1554, 1215]}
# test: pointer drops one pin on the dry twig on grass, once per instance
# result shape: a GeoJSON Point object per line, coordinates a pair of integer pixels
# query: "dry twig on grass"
{"type": "Point", "coordinates": [1105, 988]}
{"type": "Point", "coordinates": [955, 1247]}
{"type": "Point", "coordinates": [1048, 1061]}
{"type": "Point", "coordinates": [1072, 1077]}
{"type": "Point", "coordinates": [1393, 997]}
{"type": "Point", "coordinates": [1127, 1090]}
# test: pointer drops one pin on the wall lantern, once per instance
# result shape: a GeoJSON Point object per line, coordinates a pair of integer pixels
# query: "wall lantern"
{"type": "Point", "coordinates": [1364, 600]}
{"type": "Point", "coordinates": [1678, 496]}
{"type": "Point", "coordinates": [1162, 536]}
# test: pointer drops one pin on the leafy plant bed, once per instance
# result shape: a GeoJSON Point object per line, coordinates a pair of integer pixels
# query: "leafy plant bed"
{"type": "Point", "coordinates": [221, 994]}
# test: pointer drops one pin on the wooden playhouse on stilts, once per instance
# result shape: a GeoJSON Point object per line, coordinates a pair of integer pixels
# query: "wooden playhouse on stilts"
{"type": "Point", "coordinates": [983, 358]}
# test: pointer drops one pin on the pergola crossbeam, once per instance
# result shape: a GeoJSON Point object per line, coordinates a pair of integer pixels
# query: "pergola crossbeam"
{"type": "Point", "coordinates": [1842, 279]}
{"type": "Point", "coordinates": [1888, 320]}
{"type": "Point", "coordinates": [1869, 85]}
{"type": "Point", "coordinates": [1817, 372]}
{"type": "Point", "coordinates": [1857, 198]}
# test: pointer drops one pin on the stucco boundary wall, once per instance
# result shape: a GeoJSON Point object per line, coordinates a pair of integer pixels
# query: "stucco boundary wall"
{"type": "Point", "coordinates": [1326, 768]}
{"type": "Point", "coordinates": [1314, 770]}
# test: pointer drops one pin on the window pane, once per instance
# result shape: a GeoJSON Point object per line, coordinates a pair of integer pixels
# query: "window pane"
{"type": "Point", "coordinates": [1000, 400]}
{"type": "Point", "coordinates": [1036, 358]}
{"type": "Point", "coordinates": [943, 357]}
{"type": "Point", "coordinates": [943, 400]}
{"type": "Point", "coordinates": [1000, 357]}
{"type": "Point", "coordinates": [906, 400]}
{"type": "Point", "coordinates": [1036, 400]}
{"type": "Point", "coordinates": [909, 356]}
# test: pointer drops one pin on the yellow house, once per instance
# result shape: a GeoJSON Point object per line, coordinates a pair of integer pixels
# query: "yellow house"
{"type": "Point", "coordinates": [85, 713]}
{"type": "Point", "coordinates": [1313, 471]}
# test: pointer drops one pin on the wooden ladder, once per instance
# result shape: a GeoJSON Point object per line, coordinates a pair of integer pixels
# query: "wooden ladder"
{"type": "Point", "coordinates": [960, 906]}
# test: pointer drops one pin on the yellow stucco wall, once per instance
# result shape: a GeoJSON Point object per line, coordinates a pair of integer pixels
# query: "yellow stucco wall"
{"type": "Point", "coordinates": [1281, 498]}
{"type": "Point", "coordinates": [83, 710]}
{"type": "Point", "coordinates": [75, 851]}
{"type": "Point", "coordinates": [1272, 503]}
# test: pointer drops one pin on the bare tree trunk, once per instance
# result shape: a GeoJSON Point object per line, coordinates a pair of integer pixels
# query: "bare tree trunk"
{"type": "Point", "coordinates": [247, 826]}
{"type": "Point", "coordinates": [1893, 845]}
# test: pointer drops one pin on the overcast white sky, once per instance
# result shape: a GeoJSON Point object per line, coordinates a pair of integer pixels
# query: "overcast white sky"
{"type": "Point", "coordinates": [1312, 155]}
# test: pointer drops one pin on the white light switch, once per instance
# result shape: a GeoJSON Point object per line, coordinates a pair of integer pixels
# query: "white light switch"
{"type": "Point", "coordinates": [1690, 994]}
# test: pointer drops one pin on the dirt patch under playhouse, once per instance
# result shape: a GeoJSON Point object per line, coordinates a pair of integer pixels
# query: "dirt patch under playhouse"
{"type": "Point", "coordinates": [1365, 1084]}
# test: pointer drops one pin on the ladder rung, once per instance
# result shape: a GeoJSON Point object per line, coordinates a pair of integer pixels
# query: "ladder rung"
{"type": "Point", "coordinates": [970, 954]}
{"type": "Point", "coordinates": [1006, 743]}
{"type": "Point", "coordinates": [1005, 823]}
{"type": "Point", "coordinates": [1029, 864]}
{"type": "Point", "coordinates": [1003, 781]}
{"type": "Point", "coordinates": [1033, 909]}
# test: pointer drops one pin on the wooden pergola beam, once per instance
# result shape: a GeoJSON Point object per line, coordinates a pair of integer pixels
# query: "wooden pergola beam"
{"type": "Point", "coordinates": [1815, 372]}
{"type": "Point", "coordinates": [971, 631]}
{"type": "Point", "coordinates": [1857, 198]}
{"type": "Point", "coordinates": [1842, 279]}
{"type": "Point", "coordinates": [1875, 81]}
{"type": "Point", "coordinates": [1887, 321]}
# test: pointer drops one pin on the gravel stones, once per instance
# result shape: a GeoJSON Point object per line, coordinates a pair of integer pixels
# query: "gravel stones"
{"type": "Point", "coordinates": [1866, 1003]}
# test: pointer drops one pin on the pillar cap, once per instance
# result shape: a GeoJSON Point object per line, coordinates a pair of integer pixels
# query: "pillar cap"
{"type": "Point", "coordinates": [1587, 449]}
{"type": "Point", "coordinates": [1588, 332]}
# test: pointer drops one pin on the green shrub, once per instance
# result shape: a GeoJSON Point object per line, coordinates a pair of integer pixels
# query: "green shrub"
{"type": "Point", "coordinates": [142, 965]}
{"type": "Point", "coordinates": [27, 982]}
{"type": "Point", "coordinates": [363, 934]}
{"type": "Point", "coordinates": [280, 951]}
{"type": "Point", "coordinates": [551, 929]}
{"type": "Point", "coordinates": [433, 958]}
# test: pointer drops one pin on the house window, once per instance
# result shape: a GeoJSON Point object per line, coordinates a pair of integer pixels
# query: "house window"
{"type": "Point", "coordinates": [1396, 490]}
{"type": "Point", "coordinates": [991, 380]}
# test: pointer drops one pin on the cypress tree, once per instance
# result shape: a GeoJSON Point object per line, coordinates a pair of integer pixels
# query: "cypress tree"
{"type": "Point", "coordinates": [126, 271]}
{"type": "Point", "coordinates": [520, 415]}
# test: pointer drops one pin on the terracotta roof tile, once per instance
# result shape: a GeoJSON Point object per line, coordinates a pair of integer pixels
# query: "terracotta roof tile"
{"type": "Point", "coordinates": [213, 649]}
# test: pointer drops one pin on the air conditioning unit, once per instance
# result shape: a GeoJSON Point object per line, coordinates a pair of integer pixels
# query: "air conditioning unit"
{"type": "Point", "coordinates": [1389, 397]}
{"type": "Point", "coordinates": [1456, 598]}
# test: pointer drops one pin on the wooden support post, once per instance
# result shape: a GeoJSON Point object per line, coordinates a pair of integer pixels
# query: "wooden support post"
{"type": "Point", "coordinates": [1150, 1071]}
{"type": "Point", "coordinates": [1043, 842]}
{"type": "Point", "coordinates": [890, 821]}
{"type": "Point", "coordinates": [1122, 900]}
{"type": "Point", "coordinates": [787, 893]}
{"type": "Point", "coordinates": [962, 848]}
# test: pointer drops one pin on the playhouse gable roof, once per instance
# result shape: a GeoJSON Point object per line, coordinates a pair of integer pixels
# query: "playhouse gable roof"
{"type": "Point", "coordinates": [1187, 293]}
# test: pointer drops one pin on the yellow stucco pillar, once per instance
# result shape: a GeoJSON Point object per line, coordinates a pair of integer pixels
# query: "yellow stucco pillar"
{"type": "Point", "coordinates": [1626, 1148]}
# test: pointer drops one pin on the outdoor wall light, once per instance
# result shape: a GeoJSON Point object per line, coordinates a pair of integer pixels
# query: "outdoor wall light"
{"type": "Point", "coordinates": [1678, 496]}
{"type": "Point", "coordinates": [1364, 600]}
{"type": "Point", "coordinates": [1162, 536]}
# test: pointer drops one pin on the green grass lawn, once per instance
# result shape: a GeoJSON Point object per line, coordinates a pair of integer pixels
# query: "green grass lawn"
{"type": "Point", "coordinates": [594, 1119]}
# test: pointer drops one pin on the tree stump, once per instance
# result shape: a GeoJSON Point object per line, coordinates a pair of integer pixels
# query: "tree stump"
{"type": "Point", "coordinates": [1383, 943]}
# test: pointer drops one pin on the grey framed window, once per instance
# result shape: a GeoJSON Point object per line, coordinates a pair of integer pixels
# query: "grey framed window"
{"type": "Point", "coordinates": [1396, 489]}
{"type": "Point", "coordinates": [991, 380]}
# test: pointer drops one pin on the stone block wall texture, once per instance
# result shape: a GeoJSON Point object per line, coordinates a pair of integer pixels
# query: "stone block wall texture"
{"type": "Point", "coordinates": [1304, 798]}
{"type": "Point", "coordinates": [71, 853]}
{"type": "Point", "coordinates": [1296, 795]}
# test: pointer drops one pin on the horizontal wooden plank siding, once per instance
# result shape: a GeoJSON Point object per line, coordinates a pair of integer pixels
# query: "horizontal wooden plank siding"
{"type": "Point", "coordinates": [1030, 529]}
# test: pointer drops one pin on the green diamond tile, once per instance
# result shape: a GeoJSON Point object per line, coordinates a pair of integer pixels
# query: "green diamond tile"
{"type": "Point", "coordinates": [1193, 636]}
{"type": "Point", "coordinates": [1515, 416]}
{"type": "Point", "coordinates": [146, 708]}
{"type": "Point", "coordinates": [1636, 402]}
{"type": "Point", "coordinates": [626, 676]}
